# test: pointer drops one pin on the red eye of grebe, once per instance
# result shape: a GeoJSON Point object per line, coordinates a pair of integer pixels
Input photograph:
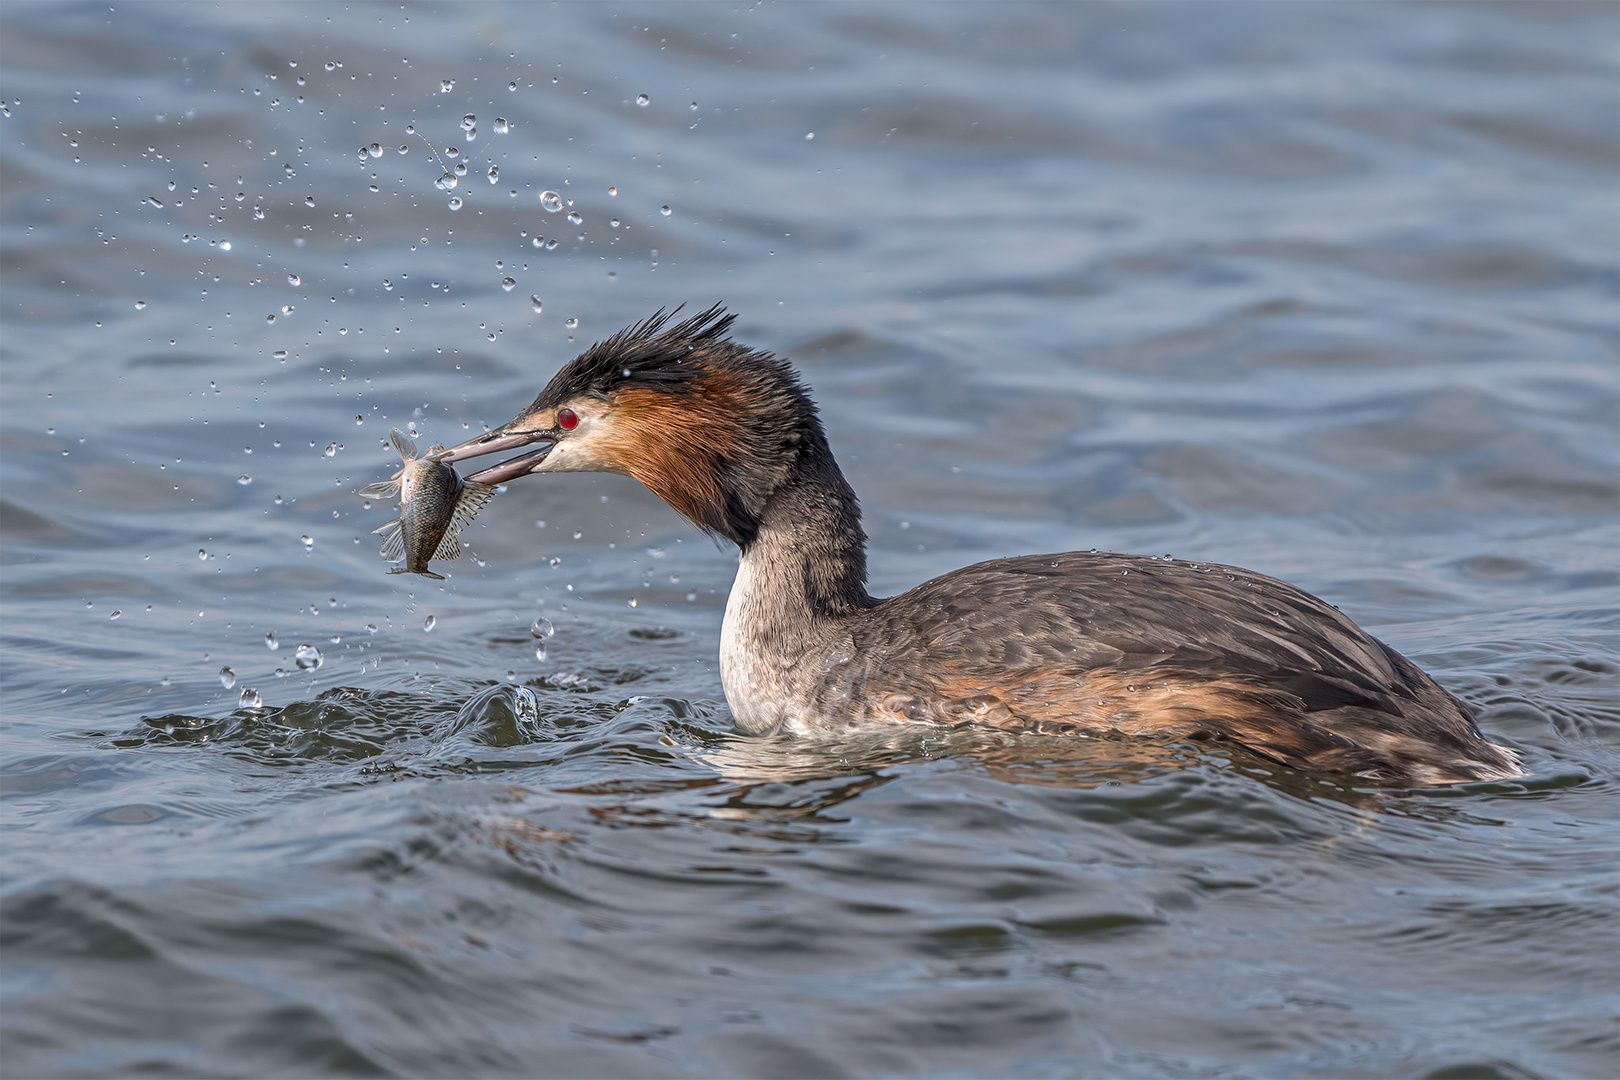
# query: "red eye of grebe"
{"type": "Point", "coordinates": [567, 419]}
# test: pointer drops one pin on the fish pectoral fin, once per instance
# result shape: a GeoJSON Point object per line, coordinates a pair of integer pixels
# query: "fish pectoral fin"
{"type": "Point", "coordinates": [393, 548]}
{"type": "Point", "coordinates": [402, 444]}
{"type": "Point", "coordinates": [385, 489]}
{"type": "Point", "coordinates": [473, 497]}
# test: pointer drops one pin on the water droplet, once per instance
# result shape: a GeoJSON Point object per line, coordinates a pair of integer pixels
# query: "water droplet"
{"type": "Point", "coordinates": [460, 169]}
{"type": "Point", "coordinates": [244, 479]}
{"type": "Point", "coordinates": [693, 106]}
{"type": "Point", "coordinates": [330, 66]}
{"type": "Point", "coordinates": [643, 99]}
{"type": "Point", "coordinates": [665, 210]}
{"type": "Point", "coordinates": [469, 122]}
{"type": "Point", "coordinates": [140, 305]}
{"type": "Point", "coordinates": [154, 200]}
{"type": "Point", "coordinates": [494, 174]}
{"type": "Point", "coordinates": [809, 135]}
{"type": "Point", "coordinates": [508, 284]}
{"type": "Point", "coordinates": [375, 150]}
{"type": "Point", "coordinates": [551, 245]}
{"type": "Point", "coordinates": [502, 126]}
{"type": "Point", "coordinates": [446, 85]}
{"type": "Point", "coordinates": [613, 222]}
{"type": "Point", "coordinates": [258, 213]}
{"type": "Point", "coordinates": [388, 285]}
{"type": "Point", "coordinates": [117, 614]}
{"type": "Point", "coordinates": [309, 200]}
{"type": "Point", "coordinates": [613, 191]}
{"type": "Point", "coordinates": [280, 354]}
{"type": "Point", "coordinates": [308, 657]}
{"type": "Point", "coordinates": [451, 153]}
{"type": "Point", "coordinates": [551, 201]}
{"type": "Point", "coordinates": [455, 203]}
{"type": "Point", "coordinates": [428, 623]}
{"type": "Point", "coordinates": [294, 279]}
{"type": "Point", "coordinates": [202, 555]}
{"type": "Point", "coordinates": [535, 301]}
{"type": "Point", "coordinates": [542, 628]}
{"type": "Point", "coordinates": [307, 541]}
{"type": "Point", "coordinates": [227, 677]}
{"type": "Point", "coordinates": [331, 450]}
{"type": "Point", "coordinates": [572, 324]}
{"type": "Point", "coordinates": [574, 217]}
{"type": "Point", "coordinates": [270, 641]}
{"type": "Point", "coordinates": [251, 699]}
{"type": "Point", "coordinates": [359, 419]}
{"type": "Point", "coordinates": [539, 652]}
{"type": "Point", "coordinates": [511, 85]}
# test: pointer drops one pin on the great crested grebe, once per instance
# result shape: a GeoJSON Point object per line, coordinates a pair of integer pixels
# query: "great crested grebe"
{"type": "Point", "coordinates": [1067, 644]}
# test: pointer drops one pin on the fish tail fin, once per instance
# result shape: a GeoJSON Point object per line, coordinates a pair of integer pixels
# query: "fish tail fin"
{"type": "Point", "coordinates": [423, 573]}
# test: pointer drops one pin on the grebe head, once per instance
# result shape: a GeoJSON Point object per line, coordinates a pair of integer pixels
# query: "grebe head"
{"type": "Point", "coordinates": [707, 425]}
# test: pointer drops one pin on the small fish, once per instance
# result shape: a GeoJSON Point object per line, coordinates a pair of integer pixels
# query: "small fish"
{"type": "Point", "coordinates": [435, 504]}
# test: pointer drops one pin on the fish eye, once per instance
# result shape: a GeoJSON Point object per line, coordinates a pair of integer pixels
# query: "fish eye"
{"type": "Point", "coordinates": [567, 419]}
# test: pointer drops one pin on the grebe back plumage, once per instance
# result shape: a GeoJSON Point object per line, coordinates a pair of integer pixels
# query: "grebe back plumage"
{"type": "Point", "coordinates": [1068, 643]}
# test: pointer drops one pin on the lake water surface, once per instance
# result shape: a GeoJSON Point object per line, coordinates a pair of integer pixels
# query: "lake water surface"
{"type": "Point", "coordinates": [1328, 291]}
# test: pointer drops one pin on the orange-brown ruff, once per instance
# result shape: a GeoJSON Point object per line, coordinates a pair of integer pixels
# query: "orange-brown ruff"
{"type": "Point", "coordinates": [1055, 644]}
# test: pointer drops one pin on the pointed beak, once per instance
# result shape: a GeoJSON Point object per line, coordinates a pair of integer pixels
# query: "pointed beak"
{"type": "Point", "coordinates": [504, 438]}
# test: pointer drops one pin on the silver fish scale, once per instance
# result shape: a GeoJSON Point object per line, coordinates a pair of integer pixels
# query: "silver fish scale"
{"type": "Point", "coordinates": [435, 505]}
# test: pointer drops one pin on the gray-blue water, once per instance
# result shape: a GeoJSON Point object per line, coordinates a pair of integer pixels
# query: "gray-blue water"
{"type": "Point", "coordinates": [1328, 291]}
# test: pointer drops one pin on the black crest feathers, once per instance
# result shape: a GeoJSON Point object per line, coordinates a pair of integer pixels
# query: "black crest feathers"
{"type": "Point", "coordinates": [646, 354]}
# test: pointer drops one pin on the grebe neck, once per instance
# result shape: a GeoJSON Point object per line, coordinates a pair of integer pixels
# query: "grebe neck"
{"type": "Point", "coordinates": [810, 538]}
{"type": "Point", "coordinates": [798, 580]}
